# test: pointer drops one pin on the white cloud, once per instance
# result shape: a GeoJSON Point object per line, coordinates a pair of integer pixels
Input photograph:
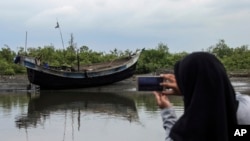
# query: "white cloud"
{"type": "Point", "coordinates": [141, 22]}
{"type": "Point", "coordinates": [48, 15]}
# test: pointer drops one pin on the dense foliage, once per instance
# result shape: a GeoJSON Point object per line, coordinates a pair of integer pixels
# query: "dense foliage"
{"type": "Point", "coordinates": [7, 67]}
{"type": "Point", "coordinates": [234, 59]}
{"type": "Point", "coordinates": [151, 60]}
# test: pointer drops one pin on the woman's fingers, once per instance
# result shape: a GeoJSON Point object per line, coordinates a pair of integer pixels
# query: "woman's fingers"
{"type": "Point", "coordinates": [170, 84]}
{"type": "Point", "coordinates": [162, 100]}
{"type": "Point", "coordinates": [157, 97]}
{"type": "Point", "coordinates": [169, 77]}
{"type": "Point", "coordinates": [168, 92]}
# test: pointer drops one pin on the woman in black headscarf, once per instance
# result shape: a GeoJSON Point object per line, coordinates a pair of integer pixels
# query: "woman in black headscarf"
{"type": "Point", "coordinates": [210, 103]}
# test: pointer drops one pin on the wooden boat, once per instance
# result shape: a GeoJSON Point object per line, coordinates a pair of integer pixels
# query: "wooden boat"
{"type": "Point", "coordinates": [50, 77]}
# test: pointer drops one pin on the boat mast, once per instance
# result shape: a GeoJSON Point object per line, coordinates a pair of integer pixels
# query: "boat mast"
{"type": "Point", "coordinates": [26, 36]}
{"type": "Point", "coordinates": [78, 60]}
{"type": "Point", "coordinates": [58, 26]}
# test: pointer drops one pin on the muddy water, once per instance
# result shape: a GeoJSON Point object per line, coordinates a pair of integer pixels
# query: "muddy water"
{"type": "Point", "coordinates": [110, 113]}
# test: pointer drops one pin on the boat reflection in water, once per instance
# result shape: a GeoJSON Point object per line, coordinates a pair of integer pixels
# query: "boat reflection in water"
{"type": "Point", "coordinates": [47, 103]}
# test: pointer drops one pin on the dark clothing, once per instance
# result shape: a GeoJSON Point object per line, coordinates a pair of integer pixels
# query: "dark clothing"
{"type": "Point", "coordinates": [169, 117]}
{"type": "Point", "coordinates": [209, 100]}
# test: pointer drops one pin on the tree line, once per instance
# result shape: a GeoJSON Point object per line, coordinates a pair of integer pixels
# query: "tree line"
{"type": "Point", "coordinates": [151, 60]}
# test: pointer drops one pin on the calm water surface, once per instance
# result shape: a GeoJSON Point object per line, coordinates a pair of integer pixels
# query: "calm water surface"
{"type": "Point", "coordinates": [85, 115]}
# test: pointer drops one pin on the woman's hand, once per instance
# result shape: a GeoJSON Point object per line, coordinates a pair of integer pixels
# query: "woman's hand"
{"type": "Point", "coordinates": [170, 85]}
{"type": "Point", "coordinates": [162, 100]}
{"type": "Point", "coordinates": [171, 88]}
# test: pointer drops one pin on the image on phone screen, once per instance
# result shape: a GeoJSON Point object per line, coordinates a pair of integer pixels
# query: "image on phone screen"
{"type": "Point", "coordinates": [149, 83]}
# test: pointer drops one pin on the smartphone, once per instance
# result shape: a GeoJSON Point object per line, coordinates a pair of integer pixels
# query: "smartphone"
{"type": "Point", "coordinates": [149, 83]}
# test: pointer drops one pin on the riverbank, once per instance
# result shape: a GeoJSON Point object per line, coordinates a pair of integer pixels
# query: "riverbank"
{"type": "Point", "coordinates": [239, 74]}
{"type": "Point", "coordinates": [21, 83]}
{"type": "Point", "coordinates": [14, 83]}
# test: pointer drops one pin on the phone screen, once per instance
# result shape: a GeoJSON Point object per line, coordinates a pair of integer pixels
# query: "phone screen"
{"type": "Point", "coordinates": [149, 83]}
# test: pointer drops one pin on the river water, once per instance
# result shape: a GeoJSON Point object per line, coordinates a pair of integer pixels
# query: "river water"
{"type": "Point", "coordinates": [113, 113]}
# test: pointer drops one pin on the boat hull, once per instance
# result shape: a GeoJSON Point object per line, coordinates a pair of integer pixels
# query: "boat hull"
{"type": "Point", "coordinates": [47, 81]}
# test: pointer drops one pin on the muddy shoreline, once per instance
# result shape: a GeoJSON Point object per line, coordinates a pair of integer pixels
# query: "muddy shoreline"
{"type": "Point", "coordinates": [14, 83]}
{"type": "Point", "coordinates": [14, 79]}
{"type": "Point", "coordinates": [21, 83]}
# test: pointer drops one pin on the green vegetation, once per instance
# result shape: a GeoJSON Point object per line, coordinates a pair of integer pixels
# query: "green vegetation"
{"type": "Point", "coordinates": [7, 67]}
{"type": "Point", "coordinates": [235, 59]}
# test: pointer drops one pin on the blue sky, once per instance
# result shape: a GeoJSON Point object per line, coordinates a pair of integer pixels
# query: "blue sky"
{"type": "Point", "coordinates": [103, 25]}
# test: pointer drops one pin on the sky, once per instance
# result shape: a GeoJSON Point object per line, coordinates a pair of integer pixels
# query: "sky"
{"type": "Point", "coordinates": [105, 25]}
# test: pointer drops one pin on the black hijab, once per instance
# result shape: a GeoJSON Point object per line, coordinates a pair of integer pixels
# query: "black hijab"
{"type": "Point", "coordinates": [209, 100]}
